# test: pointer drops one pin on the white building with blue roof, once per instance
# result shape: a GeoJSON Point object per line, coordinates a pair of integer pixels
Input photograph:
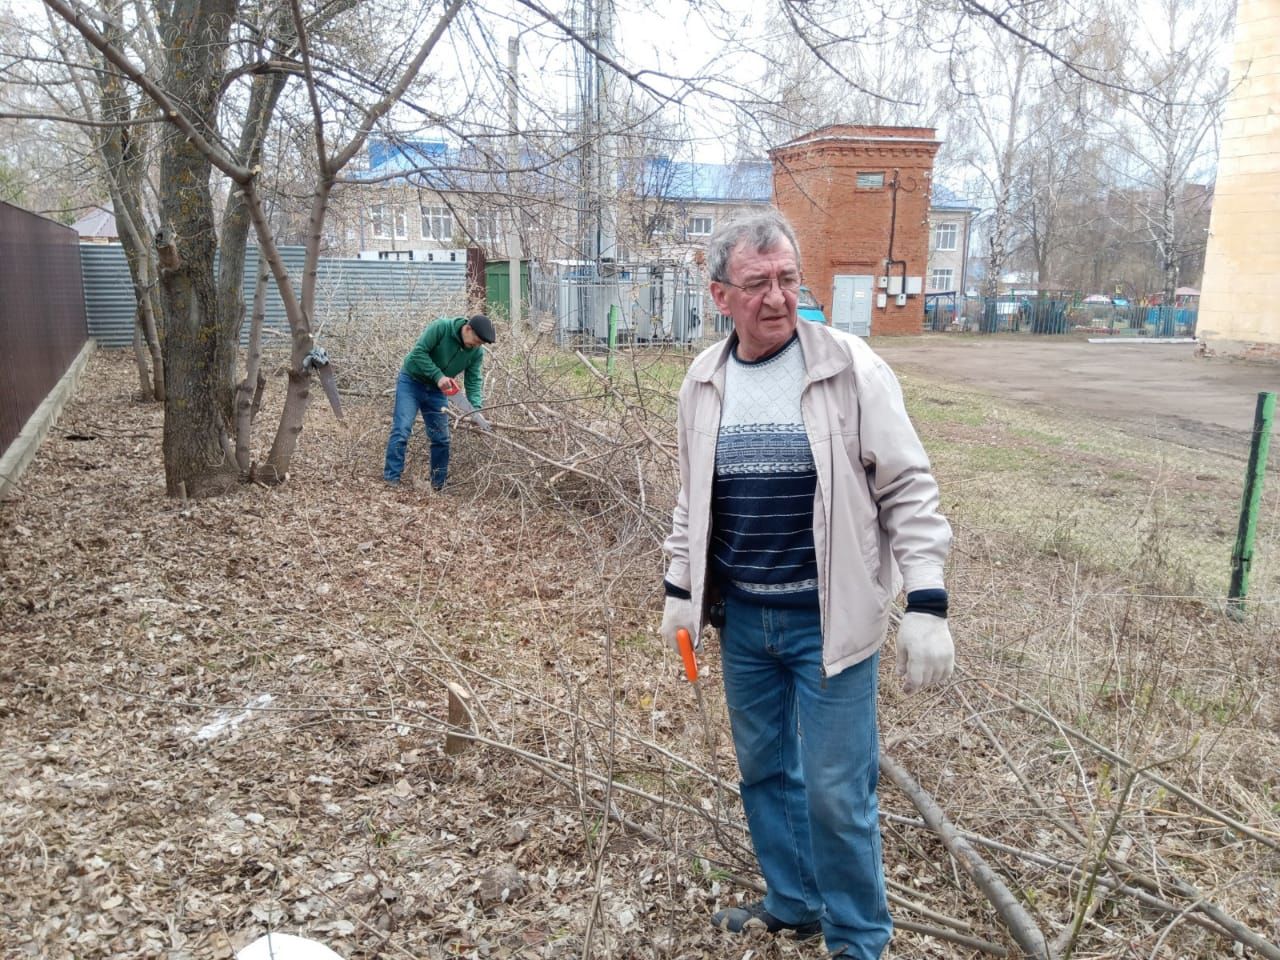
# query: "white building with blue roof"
{"type": "Point", "coordinates": [429, 200]}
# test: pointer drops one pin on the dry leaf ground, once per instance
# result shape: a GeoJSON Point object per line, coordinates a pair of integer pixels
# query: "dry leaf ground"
{"type": "Point", "coordinates": [228, 715]}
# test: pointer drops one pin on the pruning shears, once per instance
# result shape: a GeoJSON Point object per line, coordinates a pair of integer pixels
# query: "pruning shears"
{"type": "Point", "coordinates": [685, 642]}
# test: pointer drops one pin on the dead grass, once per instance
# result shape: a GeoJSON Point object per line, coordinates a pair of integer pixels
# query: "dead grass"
{"type": "Point", "coordinates": [129, 827]}
{"type": "Point", "coordinates": [1115, 500]}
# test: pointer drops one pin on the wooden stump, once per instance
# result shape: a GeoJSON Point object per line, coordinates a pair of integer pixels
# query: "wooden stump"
{"type": "Point", "coordinates": [460, 717]}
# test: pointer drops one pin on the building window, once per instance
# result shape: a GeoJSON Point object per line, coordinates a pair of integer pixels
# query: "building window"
{"type": "Point", "coordinates": [871, 181]}
{"type": "Point", "coordinates": [486, 225]}
{"type": "Point", "coordinates": [945, 236]}
{"type": "Point", "coordinates": [437, 223]}
{"type": "Point", "coordinates": [940, 278]}
{"type": "Point", "coordinates": [378, 214]}
{"type": "Point", "coordinates": [699, 226]}
{"type": "Point", "coordinates": [386, 218]}
{"type": "Point", "coordinates": [660, 225]}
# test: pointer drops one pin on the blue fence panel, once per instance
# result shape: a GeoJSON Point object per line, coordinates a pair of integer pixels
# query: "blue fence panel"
{"type": "Point", "coordinates": [342, 287]}
{"type": "Point", "coordinates": [1056, 315]}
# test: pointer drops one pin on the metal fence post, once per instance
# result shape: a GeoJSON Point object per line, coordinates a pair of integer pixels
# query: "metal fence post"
{"type": "Point", "coordinates": [1242, 555]}
{"type": "Point", "coordinates": [613, 337]}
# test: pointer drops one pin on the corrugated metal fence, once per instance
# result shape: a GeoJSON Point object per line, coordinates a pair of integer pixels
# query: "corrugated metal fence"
{"type": "Point", "coordinates": [343, 288]}
{"type": "Point", "coordinates": [42, 317]}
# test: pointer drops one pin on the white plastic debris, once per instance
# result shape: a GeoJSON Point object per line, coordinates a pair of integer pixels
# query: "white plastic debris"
{"type": "Point", "coordinates": [225, 721]}
{"type": "Point", "coordinates": [285, 946]}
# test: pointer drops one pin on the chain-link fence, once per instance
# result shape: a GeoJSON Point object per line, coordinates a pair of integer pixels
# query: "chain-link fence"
{"type": "Point", "coordinates": [648, 303]}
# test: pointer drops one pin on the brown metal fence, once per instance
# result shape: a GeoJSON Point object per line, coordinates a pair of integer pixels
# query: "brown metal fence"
{"type": "Point", "coordinates": [42, 319]}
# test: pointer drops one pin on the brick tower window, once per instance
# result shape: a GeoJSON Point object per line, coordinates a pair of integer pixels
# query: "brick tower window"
{"type": "Point", "coordinates": [871, 181]}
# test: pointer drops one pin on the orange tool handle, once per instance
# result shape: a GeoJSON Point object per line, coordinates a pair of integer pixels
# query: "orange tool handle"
{"type": "Point", "coordinates": [686, 651]}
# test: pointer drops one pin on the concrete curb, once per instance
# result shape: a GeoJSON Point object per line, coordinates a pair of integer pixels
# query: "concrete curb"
{"type": "Point", "coordinates": [26, 445]}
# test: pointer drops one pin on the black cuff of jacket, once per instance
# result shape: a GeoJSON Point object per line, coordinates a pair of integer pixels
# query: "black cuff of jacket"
{"type": "Point", "coordinates": [928, 601]}
{"type": "Point", "coordinates": [680, 592]}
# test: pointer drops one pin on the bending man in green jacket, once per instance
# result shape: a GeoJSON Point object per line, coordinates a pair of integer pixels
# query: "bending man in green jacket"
{"type": "Point", "coordinates": [448, 347]}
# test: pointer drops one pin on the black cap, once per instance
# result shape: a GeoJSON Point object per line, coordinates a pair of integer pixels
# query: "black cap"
{"type": "Point", "coordinates": [482, 327]}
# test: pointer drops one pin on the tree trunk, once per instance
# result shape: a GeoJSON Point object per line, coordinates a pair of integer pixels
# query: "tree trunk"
{"type": "Point", "coordinates": [123, 152]}
{"type": "Point", "coordinates": [998, 245]}
{"type": "Point", "coordinates": [236, 219]}
{"type": "Point", "coordinates": [145, 387]}
{"type": "Point", "coordinates": [298, 395]}
{"type": "Point", "coordinates": [151, 308]}
{"type": "Point", "coordinates": [138, 254]}
{"type": "Point", "coordinates": [198, 354]}
{"type": "Point", "coordinates": [296, 399]}
{"type": "Point", "coordinates": [249, 392]}
{"type": "Point", "coordinates": [1168, 245]}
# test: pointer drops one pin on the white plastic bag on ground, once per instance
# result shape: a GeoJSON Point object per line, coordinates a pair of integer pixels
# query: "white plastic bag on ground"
{"type": "Point", "coordinates": [285, 946]}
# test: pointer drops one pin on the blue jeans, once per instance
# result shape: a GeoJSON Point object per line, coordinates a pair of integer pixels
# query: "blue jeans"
{"type": "Point", "coordinates": [411, 396]}
{"type": "Point", "coordinates": [809, 752]}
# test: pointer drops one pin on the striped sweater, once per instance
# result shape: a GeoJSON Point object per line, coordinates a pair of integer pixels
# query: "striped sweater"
{"type": "Point", "coordinates": [762, 502]}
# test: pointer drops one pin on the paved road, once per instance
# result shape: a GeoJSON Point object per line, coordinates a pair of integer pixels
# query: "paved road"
{"type": "Point", "coordinates": [1205, 402]}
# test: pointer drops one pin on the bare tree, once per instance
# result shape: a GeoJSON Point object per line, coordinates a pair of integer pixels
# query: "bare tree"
{"type": "Point", "coordinates": [203, 313]}
{"type": "Point", "coordinates": [46, 165]}
{"type": "Point", "coordinates": [1057, 172]}
{"type": "Point", "coordinates": [1166, 135]}
{"type": "Point", "coordinates": [997, 96]}
{"type": "Point", "coordinates": [829, 62]}
{"type": "Point", "coordinates": [122, 139]}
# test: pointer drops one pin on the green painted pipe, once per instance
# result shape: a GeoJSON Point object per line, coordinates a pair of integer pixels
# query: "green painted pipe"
{"type": "Point", "coordinates": [1242, 555]}
{"type": "Point", "coordinates": [614, 313]}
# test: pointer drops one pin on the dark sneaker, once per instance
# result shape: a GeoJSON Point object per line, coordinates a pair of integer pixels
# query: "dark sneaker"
{"type": "Point", "coordinates": [753, 916]}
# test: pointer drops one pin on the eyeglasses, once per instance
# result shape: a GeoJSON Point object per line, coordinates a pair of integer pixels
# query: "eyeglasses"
{"type": "Point", "coordinates": [788, 283]}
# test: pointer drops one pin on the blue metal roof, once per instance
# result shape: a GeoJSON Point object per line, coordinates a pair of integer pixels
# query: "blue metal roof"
{"type": "Point", "coordinates": [944, 198]}
{"type": "Point", "coordinates": [410, 154]}
{"type": "Point", "coordinates": [434, 164]}
{"type": "Point", "coordinates": [746, 180]}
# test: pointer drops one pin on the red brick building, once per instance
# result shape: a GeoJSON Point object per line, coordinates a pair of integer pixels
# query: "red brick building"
{"type": "Point", "coordinates": [858, 197]}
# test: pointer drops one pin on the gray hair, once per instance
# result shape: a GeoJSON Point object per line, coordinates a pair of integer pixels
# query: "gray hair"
{"type": "Point", "coordinates": [763, 229]}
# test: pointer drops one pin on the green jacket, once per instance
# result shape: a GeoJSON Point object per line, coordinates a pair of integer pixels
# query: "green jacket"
{"type": "Point", "coordinates": [440, 352]}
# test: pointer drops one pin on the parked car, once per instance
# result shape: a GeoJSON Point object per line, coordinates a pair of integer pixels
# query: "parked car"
{"type": "Point", "coordinates": [808, 307]}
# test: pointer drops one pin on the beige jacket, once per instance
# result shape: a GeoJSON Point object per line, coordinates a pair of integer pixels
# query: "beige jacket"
{"type": "Point", "coordinates": [876, 525]}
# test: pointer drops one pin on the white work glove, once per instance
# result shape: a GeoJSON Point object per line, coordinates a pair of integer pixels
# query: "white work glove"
{"type": "Point", "coordinates": [926, 654]}
{"type": "Point", "coordinates": [676, 614]}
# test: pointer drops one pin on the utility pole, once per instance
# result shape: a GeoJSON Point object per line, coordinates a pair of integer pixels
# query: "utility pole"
{"type": "Point", "coordinates": [513, 162]}
{"type": "Point", "coordinates": [596, 285]}
{"type": "Point", "coordinates": [606, 145]}
{"type": "Point", "coordinates": [599, 185]}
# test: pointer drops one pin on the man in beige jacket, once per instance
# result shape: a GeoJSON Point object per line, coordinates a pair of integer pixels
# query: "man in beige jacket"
{"type": "Point", "coordinates": [806, 503]}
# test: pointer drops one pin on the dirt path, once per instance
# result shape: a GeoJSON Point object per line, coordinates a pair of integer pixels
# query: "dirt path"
{"type": "Point", "coordinates": [1151, 389]}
